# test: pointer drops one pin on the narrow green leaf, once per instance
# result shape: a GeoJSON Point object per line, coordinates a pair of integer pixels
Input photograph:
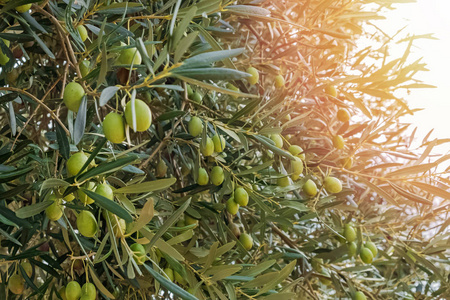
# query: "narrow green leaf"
{"type": "Point", "coordinates": [106, 167]}
{"type": "Point", "coordinates": [80, 122]}
{"type": "Point", "coordinates": [107, 94]}
{"type": "Point", "coordinates": [172, 287]}
{"type": "Point", "coordinates": [109, 205]}
{"type": "Point", "coordinates": [145, 187]}
{"type": "Point", "coordinates": [63, 141]}
{"type": "Point", "coordinates": [32, 210]}
{"type": "Point", "coordinates": [170, 221]}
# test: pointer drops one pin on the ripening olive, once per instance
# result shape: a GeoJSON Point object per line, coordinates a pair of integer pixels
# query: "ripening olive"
{"type": "Point", "coordinates": [54, 212]}
{"type": "Point", "coordinates": [349, 233]}
{"type": "Point", "coordinates": [219, 143]}
{"type": "Point", "coordinates": [129, 56]}
{"type": "Point", "coordinates": [331, 90]}
{"type": "Point", "coordinates": [359, 296]}
{"type": "Point", "coordinates": [88, 290]}
{"type": "Point", "coordinates": [105, 190]}
{"type": "Point", "coordinates": [23, 8]}
{"type": "Point", "coordinates": [343, 115]}
{"type": "Point", "coordinates": [232, 206]}
{"type": "Point", "coordinates": [217, 175]}
{"type": "Point", "coordinates": [366, 255]}
{"type": "Point", "coordinates": [254, 78]}
{"type": "Point", "coordinates": [277, 139]}
{"type": "Point", "coordinates": [85, 199]}
{"type": "Point", "coordinates": [161, 168]}
{"type": "Point", "coordinates": [332, 185]}
{"type": "Point", "coordinates": [138, 253]}
{"type": "Point", "coordinates": [310, 188]}
{"type": "Point", "coordinates": [195, 126]}
{"type": "Point", "coordinates": [246, 240]}
{"type": "Point", "coordinates": [283, 181]}
{"type": "Point", "coordinates": [207, 149]}
{"type": "Point", "coordinates": [114, 128]}
{"type": "Point", "coordinates": [372, 247]}
{"type": "Point", "coordinates": [143, 115]}
{"type": "Point", "coordinates": [16, 284]}
{"type": "Point", "coordinates": [338, 142]}
{"type": "Point", "coordinates": [83, 32]}
{"type": "Point", "coordinates": [76, 162]}
{"type": "Point", "coordinates": [203, 177]}
{"type": "Point", "coordinates": [241, 196]}
{"type": "Point", "coordinates": [197, 97]}
{"type": "Point", "coordinates": [73, 291]}
{"type": "Point", "coordinates": [279, 81]}
{"type": "Point", "coordinates": [73, 94]}
{"type": "Point", "coordinates": [87, 224]}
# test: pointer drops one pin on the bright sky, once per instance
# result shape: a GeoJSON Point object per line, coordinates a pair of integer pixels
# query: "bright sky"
{"type": "Point", "coordinates": [423, 17]}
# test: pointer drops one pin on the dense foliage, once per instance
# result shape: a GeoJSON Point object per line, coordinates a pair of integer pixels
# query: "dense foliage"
{"type": "Point", "coordinates": [214, 150]}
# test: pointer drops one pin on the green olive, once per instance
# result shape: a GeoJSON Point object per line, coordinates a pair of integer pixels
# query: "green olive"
{"type": "Point", "coordinates": [359, 296]}
{"type": "Point", "coordinates": [83, 32]}
{"type": "Point", "coordinates": [169, 273]}
{"type": "Point", "coordinates": [16, 284]}
{"type": "Point", "coordinates": [254, 78]}
{"type": "Point", "coordinates": [87, 224]}
{"type": "Point", "coordinates": [142, 113]}
{"type": "Point", "coordinates": [331, 91]}
{"type": "Point", "coordinates": [208, 148]}
{"type": "Point", "coordinates": [283, 181]}
{"type": "Point", "coordinates": [297, 151]}
{"type": "Point", "coordinates": [241, 196]}
{"type": "Point", "coordinates": [85, 199]}
{"type": "Point", "coordinates": [217, 175]}
{"type": "Point", "coordinates": [219, 143]}
{"type": "Point", "coordinates": [366, 255]}
{"type": "Point", "coordinates": [279, 81]}
{"type": "Point", "coordinates": [76, 162]}
{"type": "Point", "coordinates": [139, 254]}
{"type": "Point", "coordinates": [129, 56]}
{"type": "Point", "coordinates": [73, 94]}
{"type": "Point", "coordinates": [73, 291]}
{"type": "Point", "coordinates": [232, 206]}
{"type": "Point", "coordinates": [197, 97]}
{"type": "Point", "coordinates": [114, 128]}
{"type": "Point", "coordinates": [372, 247]}
{"type": "Point", "coordinates": [195, 126]}
{"type": "Point", "coordinates": [23, 8]}
{"type": "Point", "coordinates": [4, 59]}
{"type": "Point", "coordinates": [246, 241]}
{"type": "Point", "coordinates": [332, 185]}
{"type": "Point", "coordinates": [55, 211]}
{"type": "Point", "coordinates": [352, 247]}
{"type": "Point", "coordinates": [343, 115]}
{"type": "Point", "coordinates": [349, 233]}
{"type": "Point", "coordinates": [277, 139]}
{"type": "Point", "coordinates": [338, 142]}
{"type": "Point", "coordinates": [84, 67]}
{"type": "Point", "coordinates": [105, 190]}
{"type": "Point", "coordinates": [88, 290]}
{"type": "Point", "coordinates": [203, 177]}
{"type": "Point", "coordinates": [310, 188]}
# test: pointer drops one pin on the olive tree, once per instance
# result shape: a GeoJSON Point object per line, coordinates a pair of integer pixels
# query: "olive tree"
{"type": "Point", "coordinates": [214, 150]}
